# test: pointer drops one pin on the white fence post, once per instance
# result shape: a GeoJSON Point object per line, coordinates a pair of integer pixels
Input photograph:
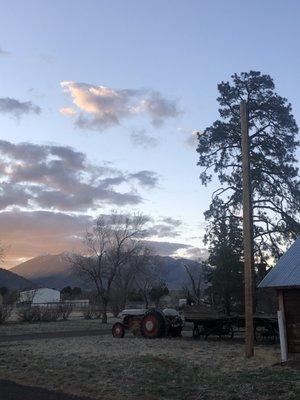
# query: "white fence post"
{"type": "Point", "coordinates": [282, 336]}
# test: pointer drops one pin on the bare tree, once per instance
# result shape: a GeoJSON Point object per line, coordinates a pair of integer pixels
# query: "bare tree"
{"type": "Point", "coordinates": [147, 279]}
{"type": "Point", "coordinates": [195, 282]}
{"type": "Point", "coordinates": [110, 246]}
{"type": "Point", "coordinates": [128, 276]}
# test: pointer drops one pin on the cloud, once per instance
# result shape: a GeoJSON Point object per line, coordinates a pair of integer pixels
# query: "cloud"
{"type": "Point", "coordinates": [60, 178]}
{"type": "Point", "coordinates": [102, 107]}
{"type": "Point", "coordinates": [68, 111]}
{"type": "Point", "coordinates": [194, 253]}
{"type": "Point", "coordinates": [162, 231]}
{"type": "Point", "coordinates": [164, 248]}
{"type": "Point", "coordinates": [17, 108]}
{"type": "Point", "coordinates": [11, 194]}
{"type": "Point", "coordinates": [4, 53]}
{"type": "Point", "coordinates": [192, 140]}
{"type": "Point", "coordinates": [166, 227]}
{"type": "Point", "coordinates": [159, 108]}
{"type": "Point", "coordinates": [176, 250]}
{"type": "Point", "coordinates": [141, 139]}
{"type": "Point", "coordinates": [172, 221]}
{"type": "Point", "coordinates": [145, 178]}
{"type": "Point", "coordinates": [27, 234]}
{"type": "Point", "coordinates": [191, 137]}
{"type": "Point", "coordinates": [47, 58]}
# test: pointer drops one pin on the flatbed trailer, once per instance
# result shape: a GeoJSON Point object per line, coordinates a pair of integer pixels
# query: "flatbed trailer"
{"type": "Point", "coordinates": [207, 322]}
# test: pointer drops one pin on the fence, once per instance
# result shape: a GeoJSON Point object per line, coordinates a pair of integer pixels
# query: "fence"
{"type": "Point", "coordinates": [76, 305]}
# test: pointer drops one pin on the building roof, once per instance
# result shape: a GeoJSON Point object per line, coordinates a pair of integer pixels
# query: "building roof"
{"type": "Point", "coordinates": [286, 272]}
{"type": "Point", "coordinates": [43, 289]}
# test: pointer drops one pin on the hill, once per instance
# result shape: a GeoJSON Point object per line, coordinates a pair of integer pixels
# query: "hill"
{"type": "Point", "coordinates": [13, 281]}
{"type": "Point", "coordinates": [55, 271]}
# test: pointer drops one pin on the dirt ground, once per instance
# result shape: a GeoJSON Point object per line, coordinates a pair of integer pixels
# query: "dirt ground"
{"type": "Point", "coordinates": [12, 391]}
{"type": "Point", "coordinates": [101, 367]}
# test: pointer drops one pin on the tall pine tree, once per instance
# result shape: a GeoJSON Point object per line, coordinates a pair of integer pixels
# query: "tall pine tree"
{"type": "Point", "coordinates": [275, 183]}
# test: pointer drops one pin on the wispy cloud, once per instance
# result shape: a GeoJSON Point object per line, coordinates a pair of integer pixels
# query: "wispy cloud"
{"type": "Point", "coordinates": [4, 53]}
{"type": "Point", "coordinates": [101, 107]}
{"type": "Point", "coordinates": [172, 249]}
{"type": "Point", "coordinates": [68, 111]}
{"type": "Point", "coordinates": [47, 58]}
{"type": "Point", "coordinates": [190, 137]}
{"type": "Point", "coordinates": [192, 140]}
{"type": "Point", "coordinates": [17, 108]}
{"type": "Point", "coordinates": [140, 138]}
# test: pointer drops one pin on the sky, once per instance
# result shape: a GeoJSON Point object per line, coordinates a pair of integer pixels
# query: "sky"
{"type": "Point", "coordinates": [100, 102]}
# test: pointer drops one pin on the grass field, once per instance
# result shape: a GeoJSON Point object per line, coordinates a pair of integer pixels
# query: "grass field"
{"type": "Point", "coordinates": [131, 368]}
{"type": "Point", "coordinates": [76, 324]}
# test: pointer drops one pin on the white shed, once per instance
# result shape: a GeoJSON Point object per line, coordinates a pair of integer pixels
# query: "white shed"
{"type": "Point", "coordinates": [39, 296]}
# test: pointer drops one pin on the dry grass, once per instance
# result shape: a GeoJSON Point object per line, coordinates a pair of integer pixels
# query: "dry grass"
{"type": "Point", "coordinates": [131, 368]}
{"type": "Point", "coordinates": [76, 324]}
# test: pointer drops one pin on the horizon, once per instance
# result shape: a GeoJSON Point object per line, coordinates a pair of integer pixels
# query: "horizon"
{"type": "Point", "coordinates": [99, 112]}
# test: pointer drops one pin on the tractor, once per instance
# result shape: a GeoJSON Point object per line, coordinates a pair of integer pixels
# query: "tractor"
{"type": "Point", "coordinates": [149, 323]}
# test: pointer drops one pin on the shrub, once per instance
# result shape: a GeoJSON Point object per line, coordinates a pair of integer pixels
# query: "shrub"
{"type": "Point", "coordinates": [97, 312]}
{"type": "Point", "coordinates": [39, 314]}
{"type": "Point", "coordinates": [92, 312]}
{"type": "Point", "coordinates": [65, 311]}
{"type": "Point", "coordinates": [29, 314]}
{"type": "Point", "coordinates": [5, 312]}
{"type": "Point", "coordinates": [49, 314]}
{"type": "Point", "coordinates": [88, 313]}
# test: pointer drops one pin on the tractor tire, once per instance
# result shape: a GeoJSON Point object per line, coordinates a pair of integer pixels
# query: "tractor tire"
{"type": "Point", "coordinates": [118, 330]}
{"type": "Point", "coordinates": [153, 325]}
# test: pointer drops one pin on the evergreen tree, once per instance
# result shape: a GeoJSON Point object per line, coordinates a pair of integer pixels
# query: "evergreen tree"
{"type": "Point", "coordinates": [275, 183]}
{"type": "Point", "coordinates": [226, 267]}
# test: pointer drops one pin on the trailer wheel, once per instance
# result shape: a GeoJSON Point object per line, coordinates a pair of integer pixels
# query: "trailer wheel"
{"type": "Point", "coordinates": [228, 333]}
{"type": "Point", "coordinates": [153, 325]}
{"type": "Point", "coordinates": [196, 331]}
{"type": "Point", "coordinates": [118, 330]}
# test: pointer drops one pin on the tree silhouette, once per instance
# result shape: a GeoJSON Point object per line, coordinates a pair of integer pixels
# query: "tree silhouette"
{"type": "Point", "coordinates": [226, 267]}
{"type": "Point", "coordinates": [275, 183]}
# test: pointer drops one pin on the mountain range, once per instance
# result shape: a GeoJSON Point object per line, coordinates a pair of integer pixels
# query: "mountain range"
{"type": "Point", "coordinates": [55, 271]}
{"type": "Point", "coordinates": [14, 281]}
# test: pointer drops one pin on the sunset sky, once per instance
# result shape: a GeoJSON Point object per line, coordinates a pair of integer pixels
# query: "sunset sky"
{"type": "Point", "coordinates": [99, 103]}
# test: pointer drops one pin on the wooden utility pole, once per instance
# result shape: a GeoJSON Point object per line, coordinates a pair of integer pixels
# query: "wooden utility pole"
{"type": "Point", "coordinates": [247, 232]}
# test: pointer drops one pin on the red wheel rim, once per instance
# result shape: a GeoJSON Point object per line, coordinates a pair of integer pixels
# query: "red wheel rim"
{"type": "Point", "coordinates": [150, 326]}
{"type": "Point", "coordinates": [118, 330]}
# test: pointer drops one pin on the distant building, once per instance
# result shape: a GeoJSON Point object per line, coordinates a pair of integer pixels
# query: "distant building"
{"type": "Point", "coordinates": [285, 279]}
{"type": "Point", "coordinates": [40, 296]}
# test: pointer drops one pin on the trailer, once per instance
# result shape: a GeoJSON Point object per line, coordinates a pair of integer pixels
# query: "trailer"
{"type": "Point", "coordinates": [208, 321]}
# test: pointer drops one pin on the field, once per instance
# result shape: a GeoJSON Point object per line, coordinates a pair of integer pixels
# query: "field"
{"type": "Point", "coordinates": [75, 324]}
{"type": "Point", "coordinates": [102, 367]}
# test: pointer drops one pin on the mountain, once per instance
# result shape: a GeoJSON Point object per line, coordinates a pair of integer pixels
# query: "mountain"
{"type": "Point", "coordinates": [172, 270]}
{"type": "Point", "coordinates": [13, 281]}
{"type": "Point", "coordinates": [55, 271]}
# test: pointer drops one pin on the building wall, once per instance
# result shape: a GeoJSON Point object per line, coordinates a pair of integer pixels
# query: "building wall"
{"type": "Point", "coordinates": [292, 316]}
{"type": "Point", "coordinates": [43, 295]}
